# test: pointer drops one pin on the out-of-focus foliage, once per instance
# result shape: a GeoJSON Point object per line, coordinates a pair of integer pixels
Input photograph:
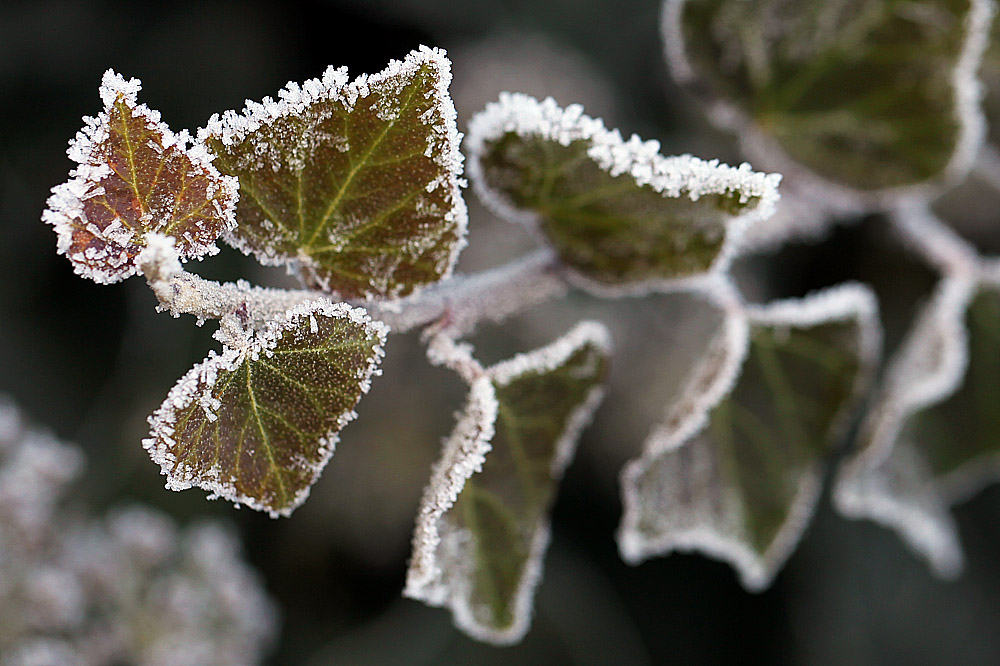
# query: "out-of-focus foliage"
{"type": "Point", "coordinates": [130, 587]}
{"type": "Point", "coordinates": [866, 93]}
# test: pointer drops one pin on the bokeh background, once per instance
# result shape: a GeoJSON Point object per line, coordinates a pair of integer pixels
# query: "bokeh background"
{"type": "Point", "coordinates": [93, 361]}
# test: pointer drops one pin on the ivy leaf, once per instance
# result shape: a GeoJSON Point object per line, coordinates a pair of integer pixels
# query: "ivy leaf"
{"type": "Point", "coordinates": [257, 424]}
{"type": "Point", "coordinates": [482, 529]}
{"type": "Point", "coordinates": [356, 184]}
{"type": "Point", "coordinates": [868, 94]}
{"type": "Point", "coordinates": [136, 177]}
{"type": "Point", "coordinates": [739, 481]}
{"type": "Point", "coordinates": [933, 437]}
{"type": "Point", "coordinates": [617, 212]}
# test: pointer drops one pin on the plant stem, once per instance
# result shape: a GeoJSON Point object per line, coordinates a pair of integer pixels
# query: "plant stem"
{"type": "Point", "coordinates": [932, 239]}
{"type": "Point", "coordinates": [461, 302]}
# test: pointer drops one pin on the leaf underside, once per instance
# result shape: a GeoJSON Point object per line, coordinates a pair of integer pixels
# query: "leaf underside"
{"type": "Point", "coordinates": [861, 92]}
{"type": "Point", "coordinates": [494, 536]}
{"type": "Point", "coordinates": [743, 488]}
{"type": "Point", "coordinates": [612, 229]}
{"type": "Point", "coordinates": [358, 186]}
{"type": "Point", "coordinates": [135, 178]}
{"type": "Point", "coordinates": [257, 426]}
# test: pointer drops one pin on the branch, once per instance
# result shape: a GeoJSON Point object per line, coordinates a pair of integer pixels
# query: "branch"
{"type": "Point", "coordinates": [462, 302]}
{"type": "Point", "coordinates": [932, 239]}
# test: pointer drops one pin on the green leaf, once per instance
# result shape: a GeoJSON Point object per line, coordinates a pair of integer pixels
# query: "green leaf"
{"type": "Point", "coordinates": [258, 423]}
{"type": "Point", "coordinates": [741, 482]}
{"type": "Point", "coordinates": [136, 177]}
{"type": "Point", "coordinates": [482, 529]}
{"type": "Point", "coordinates": [616, 212]}
{"type": "Point", "coordinates": [869, 94]}
{"type": "Point", "coordinates": [356, 184]}
{"type": "Point", "coordinates": [933, 438]}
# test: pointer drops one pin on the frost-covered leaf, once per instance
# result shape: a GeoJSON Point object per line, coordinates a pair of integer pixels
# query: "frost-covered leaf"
{"type": "Point", "coordinates": [740, 482]}
{"type": "Point", "coordinates": [136, 177]}
{"type": "Point", "coordinates": [868, 94]}
{"type": "Point", "coordinates": [483, 528]}
{"type": "Point", "coordinates": [933, 437]}
{"type": "Point", "coordinates": [257, 424]}
{"type": "Point", "coordinates": [616, 211]}
{"type": "Point", "coordinates": [355, 183]}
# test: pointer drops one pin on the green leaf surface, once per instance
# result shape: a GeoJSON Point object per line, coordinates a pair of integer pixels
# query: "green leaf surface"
{"type": "Point", "coordinates": [869, 94]}
{"type": "Point", "coordinates": [135, 177]}
{"type": "Point", "coordinates": [257, 424]}
{"type": "Point", "coordinates": [917, 458]}
{"type": "Point", "coordinates": [743, 486]}
{"type": "Point", "coordinates": [616, 212]}
{"type": "Point", "coordinates": [483, 527]}
{"type": "Point", "coordinates": [356, 183]}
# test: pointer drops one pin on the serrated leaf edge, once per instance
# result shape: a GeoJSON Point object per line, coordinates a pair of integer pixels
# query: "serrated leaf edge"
{"type": "Point", "coordinates": [673, 177]}
{"type": "Point", "coordinates": [186, 392]}
{"type": "Point", "coordinates": [425, 579]}
{"type": "Point", "coordinates": [65, 202]}
{"type": "Point", "coordinates": [232, 127]}
{"type": "Point", "coordinates": [846, 301]}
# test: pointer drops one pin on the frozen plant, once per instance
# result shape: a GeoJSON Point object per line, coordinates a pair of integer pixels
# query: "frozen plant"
{"type": "Point", "coordinates": [129, 587]}
{"type": "Point", "coordinates": [355, 186]}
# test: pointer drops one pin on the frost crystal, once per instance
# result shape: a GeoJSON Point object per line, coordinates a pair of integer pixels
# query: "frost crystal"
{"type": "Point", "coordinates": [136, 177]}
{"type": "Point", "coordinates": [130, 588]}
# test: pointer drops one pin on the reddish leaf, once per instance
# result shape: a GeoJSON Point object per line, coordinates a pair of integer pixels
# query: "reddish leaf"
{"type": "Point", "coordinates": [136, 177]}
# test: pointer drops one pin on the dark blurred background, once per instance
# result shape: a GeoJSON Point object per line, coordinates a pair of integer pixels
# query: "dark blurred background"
{"type": "Point", "coordinates": [92, 361]}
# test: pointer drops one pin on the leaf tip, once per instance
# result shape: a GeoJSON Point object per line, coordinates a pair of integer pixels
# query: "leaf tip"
{"type": "Point", "coordinates": [114, 86]}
